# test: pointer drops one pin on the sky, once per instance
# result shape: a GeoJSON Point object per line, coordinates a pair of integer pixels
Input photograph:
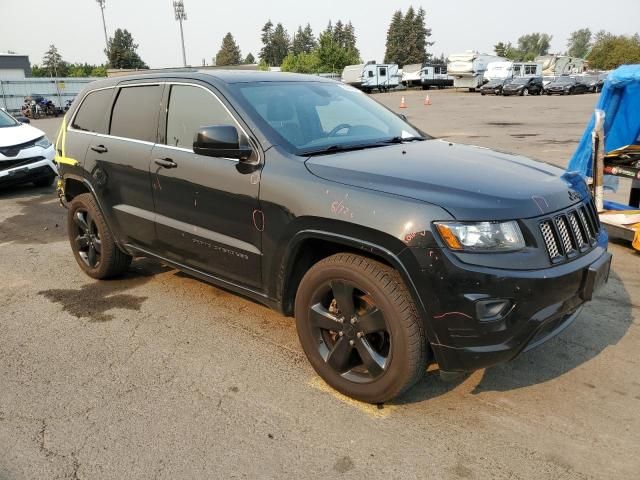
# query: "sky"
{"type": "Point", "coordinates": [75, 26]}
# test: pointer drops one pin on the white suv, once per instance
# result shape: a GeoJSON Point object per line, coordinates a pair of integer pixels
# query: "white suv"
{"type": "Point", "coordinates": [26, 154]}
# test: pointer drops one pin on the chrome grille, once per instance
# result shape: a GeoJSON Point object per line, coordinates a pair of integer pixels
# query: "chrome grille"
{"type": "Point", "coordinates": [565, 237]}
{"type": "Point", "coordinates": [571, 232]}
{"type": "Point", "coordinates": [577, 231]}
{"type": "Point", "coordinates": [550, 240]}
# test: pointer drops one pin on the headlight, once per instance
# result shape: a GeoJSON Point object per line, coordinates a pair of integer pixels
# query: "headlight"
{"type": "Point", "coordinates": [43, 142]}
{"type": "Point", "coordinates": [481, 236]}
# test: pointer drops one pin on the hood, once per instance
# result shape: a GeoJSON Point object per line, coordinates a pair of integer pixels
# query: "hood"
{"type": "Point", "coordinates": [471, 183]}
{"type": "Point", "coordinates": [19, 134]}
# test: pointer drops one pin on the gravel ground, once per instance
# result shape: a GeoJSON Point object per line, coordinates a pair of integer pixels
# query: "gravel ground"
{"type": "Point", "coordinates": [158, 375]}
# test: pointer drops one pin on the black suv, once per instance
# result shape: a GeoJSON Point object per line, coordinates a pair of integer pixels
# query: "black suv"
{"type": "Point", "coordinates": [523, 86]}
{"type": "Point", "coordinates": [392, 249]}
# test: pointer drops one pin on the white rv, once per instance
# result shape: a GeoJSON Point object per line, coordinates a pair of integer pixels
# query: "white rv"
{"type": "Point", "coordinates": [372, 76]}
{"type": "Point", "coordinates": [556, 65]}
{"type": "Point", "coordinates": [435, 76]}
{"type": "Point", "coordinates": [411, 74]}
{"type": "Point", "coordinates": [506, 70]}
{"type": "Point", "coordinates": [467, 69]}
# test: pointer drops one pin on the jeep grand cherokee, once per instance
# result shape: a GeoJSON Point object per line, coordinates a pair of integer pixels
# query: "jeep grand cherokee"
{"type": "Point", "coordinates": [392, 249]}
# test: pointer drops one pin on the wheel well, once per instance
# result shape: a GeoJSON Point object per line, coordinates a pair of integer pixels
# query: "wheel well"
{"type": "Point", "coordinates": [308, 253]}
{"type": "Point", "coordinates": [73, 188]}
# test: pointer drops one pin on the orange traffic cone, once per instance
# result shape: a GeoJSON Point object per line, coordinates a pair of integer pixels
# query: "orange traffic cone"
{"type": "Point", "coordinates": [402, 103]}
{"type": "Point", "coordinates": [427, 100]}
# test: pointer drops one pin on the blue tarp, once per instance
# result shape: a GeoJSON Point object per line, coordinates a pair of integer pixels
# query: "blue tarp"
{"type": "Point", "coordinates": [620, 100]}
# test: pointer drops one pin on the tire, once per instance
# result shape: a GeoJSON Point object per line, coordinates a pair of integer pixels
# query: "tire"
{"type": "Point", "coordinates": [525, 92]}
{"type": "Point", "coordinates": [91, 241]}
{"type": "Point", "coordinates": [44, 181]}
{"type": "Point", "coordinates": [385, 326]}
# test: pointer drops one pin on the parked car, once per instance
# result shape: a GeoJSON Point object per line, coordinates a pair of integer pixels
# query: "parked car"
{"type": "Point", "coordinates": [26, 154]}
{"type": "Point", "coordinates": [523, 86]}
{"type": "Point", "coordinates": [392, 249]}
{"type": "Point", "coordinates": [565, 85]}
{"type": "Point", "coordinates": [594, 83]}
{"type": "Point", "coordinates": [494, 87]}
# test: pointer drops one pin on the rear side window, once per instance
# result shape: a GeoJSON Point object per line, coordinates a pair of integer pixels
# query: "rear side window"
{"type": "Point", "coordinates": [135, 113]}
{"type": "Point", "coordinates": [189, 109]}
{"type": "Point", "coordinates": [93, 112]}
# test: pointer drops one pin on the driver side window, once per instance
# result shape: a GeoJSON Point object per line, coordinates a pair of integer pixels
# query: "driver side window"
{"type": "Point", "coordinates": [190, 108]}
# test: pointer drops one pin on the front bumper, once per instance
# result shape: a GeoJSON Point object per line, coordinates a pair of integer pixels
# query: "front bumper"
{"type": "Point", "coordinates": [541, 303]}
{"type": "Point", "coordinates": [29, 165]}
{"type": "Point", "coordinates": [507, 92]}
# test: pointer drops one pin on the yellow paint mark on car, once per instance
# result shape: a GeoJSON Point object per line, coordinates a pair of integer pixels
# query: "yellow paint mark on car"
{"type": "Point", "coordinates": [373, 411]}
{"type": "Point", "coordinates": [61, 157]}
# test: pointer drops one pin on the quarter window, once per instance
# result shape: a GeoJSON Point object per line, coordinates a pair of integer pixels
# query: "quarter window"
{"type": "Point", "coordinates": [135, 113]}
{"type": "Point", "coordinates": [191, 108]}
{"type": "Point", "coordinates": [91, 116]}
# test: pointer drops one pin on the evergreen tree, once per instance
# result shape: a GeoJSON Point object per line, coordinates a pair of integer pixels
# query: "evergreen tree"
{"type": "Point", "coordinates": [250, 59]}
{"type": "Point", "coordinates": [229, 53]}
{"type": "Point", "coordinates": [333, 57]}
{"type": "Point", "coordinates": [52, 62]}
{"type": "Point", "coordinates": [303, 41]}
{"type": "Point", "coordinates": [266, 54]}
{"type": "Point", "coordinates": [279, 44]}
{"type": "Point", "coordinates": [121, 51]}
{"type": "Point", "coordinates": [579, 43]}
{"type": "Point", "coordinates": [500, 49]}
{"type": "Point", "coordinates": [407, 38]}
{"type": "Point", "coordinates": [394, 39]}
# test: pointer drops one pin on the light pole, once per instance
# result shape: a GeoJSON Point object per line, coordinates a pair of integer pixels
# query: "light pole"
{"type": "Point", "coordinates": [104, 24]}
{"type": "Point", "coordinates": [178, 7]}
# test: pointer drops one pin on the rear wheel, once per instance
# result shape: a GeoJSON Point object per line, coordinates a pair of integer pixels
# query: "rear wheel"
{"type": "Point", "coordinates": [359, 328]}
{"type": "Point", "coordinates": [91, 242]}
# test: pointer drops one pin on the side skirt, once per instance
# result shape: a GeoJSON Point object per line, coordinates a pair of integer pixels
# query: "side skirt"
{"type": "Point", "coordinates": [217, 281]}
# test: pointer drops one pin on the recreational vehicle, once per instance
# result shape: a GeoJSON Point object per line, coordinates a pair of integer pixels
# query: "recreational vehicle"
{"type": "Point", "coordinates": [372, 76]}
{"type": "Point", "coordinates": [411, 74]}
{"type": "Point", "coordinates": [435, 76]}
{"type": "Point", "coordinates": [467, 69]}
{"type": "Point", "coordinates": [556, 65]}
{"type": "Point", "coordinates": [506, 70]}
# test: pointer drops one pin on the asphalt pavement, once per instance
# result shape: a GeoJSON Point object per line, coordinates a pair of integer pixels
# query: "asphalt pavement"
{"type": "Point", "coordinates": [159, 375]}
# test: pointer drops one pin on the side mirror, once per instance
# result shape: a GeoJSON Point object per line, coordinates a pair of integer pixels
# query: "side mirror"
{"type": "Point", "coordinates": [221, 141]}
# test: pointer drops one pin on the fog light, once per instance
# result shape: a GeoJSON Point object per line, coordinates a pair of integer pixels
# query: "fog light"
{"type": "Point", "coordinates": [492, 309]}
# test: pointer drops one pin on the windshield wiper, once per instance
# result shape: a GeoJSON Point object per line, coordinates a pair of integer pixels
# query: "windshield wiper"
{"type": "Point", "coordinates": [339, 148]}
{"type": "Point", "coordinates": [400, 139]}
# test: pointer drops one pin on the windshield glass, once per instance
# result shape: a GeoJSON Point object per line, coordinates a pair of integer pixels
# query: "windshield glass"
{"type": "Point", "coordinates": [7, 120]}
{"type": "Point", "coordinates": [521, 81]}
{"type": "Point", "coordinates": [565, 80]}
{"type": "Point", "coordinates": [309, 117]}
{"type": "Point", "coordinates": [495, 83]}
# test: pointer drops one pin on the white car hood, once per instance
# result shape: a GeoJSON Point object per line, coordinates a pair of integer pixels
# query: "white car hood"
{"type": "Point", "coordinates": [17, 135]}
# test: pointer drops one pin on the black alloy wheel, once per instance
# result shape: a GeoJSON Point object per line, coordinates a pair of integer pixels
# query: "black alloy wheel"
{"type": "Point", "coordinates": [87, 238]}
{"type": "Point", "coordinates": [350, 331]}
{"type": "Point", "coordinates": [93, 246]}
{"type": "Point", "coordinates": [359, 327]}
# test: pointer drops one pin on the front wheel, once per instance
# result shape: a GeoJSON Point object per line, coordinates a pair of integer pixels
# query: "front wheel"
{"type": "Point", "coordinates": [91, 242]}
{"type": "Point", "coordinates": [359, 328]}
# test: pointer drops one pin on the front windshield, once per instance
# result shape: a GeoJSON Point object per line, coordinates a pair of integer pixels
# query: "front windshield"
{"type": "Point", "coordinates": [521, 81]}
{"type": "Point", "coordinates": [495, 83]}
{"type": "Point", "coordinates": [7, 120]}
{"type": "Point", "coordinates": [565, 80]}
{"type": "Point", "coordinates": [311, 117]}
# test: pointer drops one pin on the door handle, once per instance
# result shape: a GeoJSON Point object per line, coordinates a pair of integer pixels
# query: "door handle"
{"type": "Point", "coordinates": [99, 148]}
{"type": "Point", "coordinates": [165, 163]}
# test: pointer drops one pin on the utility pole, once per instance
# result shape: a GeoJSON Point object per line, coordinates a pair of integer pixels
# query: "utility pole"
{"type": "Point", "coordinates": [104, 24]}
{"type": "Point", "coordinates": [178, 7]}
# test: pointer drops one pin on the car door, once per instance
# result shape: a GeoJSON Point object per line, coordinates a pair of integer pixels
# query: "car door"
{"type": "Point", "coordinates": [119, 163]}
{"type": "Point", "coordinates": [207, 212]}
